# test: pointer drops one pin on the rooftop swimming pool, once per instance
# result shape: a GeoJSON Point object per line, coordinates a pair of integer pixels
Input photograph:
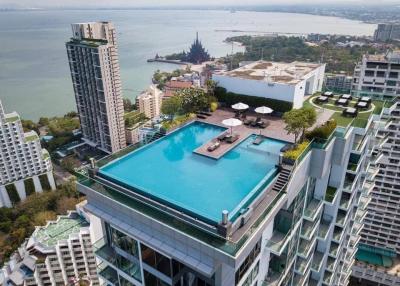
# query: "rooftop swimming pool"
{"type": "Point", "coordinates": [168, 171]}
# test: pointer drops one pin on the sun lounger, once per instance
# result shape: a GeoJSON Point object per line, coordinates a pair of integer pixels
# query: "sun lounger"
{"type": "Point", "coordinates": [262, 124]}
{"type": "Point", "coordinates": [248, 121]}
{"type": "Point", "coordinates": [255, 122]}
{"type": "Point", "coordinates": [258, 140]}
{"type": "Point", "coordinates": [213, 146]}
{"type": "Point", "coordinates": [223, 136]}
{"type": "Point", "coordinates": [232, 138]}
{"type": "Point", "coordinates": [200, 116]}
{"type": "Point", "coordinates": [205, 113]}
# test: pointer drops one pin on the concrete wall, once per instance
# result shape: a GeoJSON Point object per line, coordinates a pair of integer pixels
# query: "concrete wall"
{"type": "Point", "coordinates": [262, 88]}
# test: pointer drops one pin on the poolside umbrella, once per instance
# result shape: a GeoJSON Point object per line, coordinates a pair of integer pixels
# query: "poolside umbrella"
{"type": "Point", "coordinates": [263, 110]}
{"type": "Point", "coordinates": [240, 106]}
{"type": "Point", "coordinates": [232, 122]}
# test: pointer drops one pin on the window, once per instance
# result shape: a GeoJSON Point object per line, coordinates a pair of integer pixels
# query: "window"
{"type": "Point", "coordinates": [248, 262]}
{"type": "Point", "coordinates": [124, 242]}
{"type": "Point", "coordinates": [156, 260]}
{"type": "Point", "coordinates": [150, 279]}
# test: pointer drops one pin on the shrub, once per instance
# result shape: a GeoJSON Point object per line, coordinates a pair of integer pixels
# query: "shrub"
{"type": "Point", "coordinates": [177, 121]}
{"type": "Point", "coordinates": [294, 153]}
{"type": "Point", "coordinates": [323, 131]}
{"type": "Point", "coordinates": [213, 106]}
{"type": "Point", "coordinates": [253, 101]}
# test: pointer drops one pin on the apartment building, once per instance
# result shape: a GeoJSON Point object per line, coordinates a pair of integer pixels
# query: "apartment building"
{"type": "Point", "coordinates": [24, 166]}
{"type": "Point", "coordinates": [93, 60]}
{"type": "Point", "coordinates": [248, 216]}
{"type": "Point", "coordinates": [59, 253]}
{"type": "Point", "coordinates": [338, 82]}
{"type": "Point", "coordinates": [378, 76]}
{"type": "Point", "coordinates": [149, 102]}
{"type": "Point", "coordinates": [385, 32]}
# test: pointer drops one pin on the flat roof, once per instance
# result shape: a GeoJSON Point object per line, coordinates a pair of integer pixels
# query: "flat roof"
{"type": "Point", "coordinates": [274, 72]}
{"type": "Point", "coordinates": [169, 172]}
{"type": "Point", "coordinates": [60, 229]}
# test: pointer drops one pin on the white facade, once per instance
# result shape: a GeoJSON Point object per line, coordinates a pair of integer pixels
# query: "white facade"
{"type": "Point", "coordinates": [149, 102]}
{"type": "Point", "coordinates": [21, 158]}
{"type": "Point", "coordinates": [281, 81]}
{"type": "Point", "coordinates": [59, 253]}
{"type": "Point", "coordinates": [93, 60]}
{"type": "Point", "coordinates": [378, 76]}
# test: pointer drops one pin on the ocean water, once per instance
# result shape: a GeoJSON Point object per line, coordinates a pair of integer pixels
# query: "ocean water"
{"type": "Point", "coordinates": [34, 72]}
{"type": "Point", "coordinates": [193, 182]}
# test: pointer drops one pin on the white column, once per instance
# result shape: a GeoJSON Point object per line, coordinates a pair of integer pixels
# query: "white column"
{"type": "Point", "coordinates": [19, 185]}
{"type": "Point", "coordinates": [4, 198]}
{"type": "Point", "coordinates": [38, 186]}
{"type": "Point", "coordinates": [50, 178]}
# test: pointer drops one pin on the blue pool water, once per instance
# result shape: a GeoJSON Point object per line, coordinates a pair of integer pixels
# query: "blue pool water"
{"type": "Point", "coordinates": [169, 171]}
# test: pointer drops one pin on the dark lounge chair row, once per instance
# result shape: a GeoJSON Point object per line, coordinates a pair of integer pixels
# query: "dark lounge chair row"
{"type": "Point", "coordinates": [228, 137]}
{"type": "Point", "coordinates": [255, 123]}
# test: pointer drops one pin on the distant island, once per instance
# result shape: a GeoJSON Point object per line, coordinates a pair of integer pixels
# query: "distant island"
{"type": "Point", "coordinates": [197, 55]}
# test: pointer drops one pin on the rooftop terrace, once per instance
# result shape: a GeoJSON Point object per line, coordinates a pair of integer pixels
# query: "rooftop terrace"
{"type": "Point", "coordinates": [60, 229]}
{"type": "Point", "coordinates": [285, 73]}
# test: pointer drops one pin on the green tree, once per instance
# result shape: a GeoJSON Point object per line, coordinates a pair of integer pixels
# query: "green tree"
{"type": "Point", "coordinates": [193, 99]}
{"type": "Point", "coordinates": [43, 121]}
{"type": "Point", "coordinates": [171, 106]}
{"type": "Point", "coordinates": [127, 104]}
{"type": "Point", "coordinates": [298, 120]}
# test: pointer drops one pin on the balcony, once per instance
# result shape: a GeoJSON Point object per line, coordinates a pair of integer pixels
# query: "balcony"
{"type": "Point", "coordinates": [305, 247]}
{"type": "Point", "coordinates": [308, 229]}
{"type": "Point", "coordinates": [341, 218]}
{"type": "Point", "coordinates": [302, 265]}
{"type": "Point", "coordinates": [330, 194]}
{"type": "Point", "coordinates": [313, 209]}
{"type": "Point", "coordinates": [277, 243]}
{"type": "Point", "coordinates": [345, 201]}
{"type": "Point", "coordinates": [108, 255]}
{"type": "Point", "coordinates": [337, 234]}
{"type": "Point", "coordinates": [328, 278]}
{"type": "Point", "coordinates": [333, 251]}
{"type": "Point", "coordinates": [108, 273]}
{"type": "Point", "coordinates": [363, 202]}
{"type": "Point", "coordinates": [318, 258]}
{"type": "Point", "coordinates": [324, 228]}
{"type": "Point", "coordinates": [276, 271]}
{"type": "Point", "coordinates": [331, 264]}
{"type": "Point", "coordinates": [360, 215]}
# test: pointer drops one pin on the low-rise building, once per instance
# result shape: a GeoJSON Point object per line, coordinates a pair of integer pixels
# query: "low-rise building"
{"type": "Point", "coordinates": [25, 167]}
{"type": "Point", "coordinates": [175, 84]}
{"type": "Point", "coordinates": [149, 102]}
{"type": "Point", "coordinates": [59, 253]}
{"type": "Point", "coordinates": [289, 82]}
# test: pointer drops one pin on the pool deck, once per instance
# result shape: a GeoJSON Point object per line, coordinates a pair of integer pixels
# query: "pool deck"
{"type": "Point", "coordinates": [275, 130]}
{"type": "Point", "coordinates": [222, 149]}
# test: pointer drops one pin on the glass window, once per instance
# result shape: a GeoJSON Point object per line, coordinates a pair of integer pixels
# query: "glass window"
{"type": "Point", "coordinates": [124, 282]}
{"type": "Point", "coordinates": [156, 260]}
{"type": "Point", "coordinates": [124, 242]}
{"type": "Point", "coordinates": [151, 280]}
{"type": "Point", "coordinates": [248, 262]}
{"type": "Point", "coordinates": [129, 267]}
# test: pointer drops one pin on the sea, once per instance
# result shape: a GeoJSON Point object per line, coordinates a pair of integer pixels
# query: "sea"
{"type": "Point", "coordinates": [34, 71]}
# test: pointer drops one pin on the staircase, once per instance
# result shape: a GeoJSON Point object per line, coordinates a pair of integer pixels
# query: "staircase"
{"type": "Point", "coordinates": [154, 137]}
{"type": "Point", "coordinates": [283, 178]}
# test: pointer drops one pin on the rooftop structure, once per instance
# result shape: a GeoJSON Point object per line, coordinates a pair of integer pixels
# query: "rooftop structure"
{"type": "Point", "coordinates": [25, 167]}
{"type": "Point", "coordinates": [59, 253]}
{"type": "Point", "coordinates": [251, 215]}
{"type": "Point", "coordinates": [93, 60]}
{"type": "Point", "coordinates": [281, 81]}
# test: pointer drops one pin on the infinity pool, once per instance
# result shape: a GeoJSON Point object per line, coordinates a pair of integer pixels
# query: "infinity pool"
{"type": "Point", "coordinates": [168, 171]}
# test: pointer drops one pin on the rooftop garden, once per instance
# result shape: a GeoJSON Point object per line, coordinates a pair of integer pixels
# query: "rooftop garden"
{"type": "Point", "coordinates": [12, 119]}
{"type": "Point", "coordinates": [134, 117]}
{"type": "Point", "coordinates": [360, 120]}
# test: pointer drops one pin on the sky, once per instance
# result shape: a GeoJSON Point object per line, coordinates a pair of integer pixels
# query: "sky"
{"type": "Point", "coordinates": [133, 3]}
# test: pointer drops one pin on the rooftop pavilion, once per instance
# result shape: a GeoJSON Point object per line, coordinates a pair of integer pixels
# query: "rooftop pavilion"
{"type": "Point", "coordinates": [274, 72]}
